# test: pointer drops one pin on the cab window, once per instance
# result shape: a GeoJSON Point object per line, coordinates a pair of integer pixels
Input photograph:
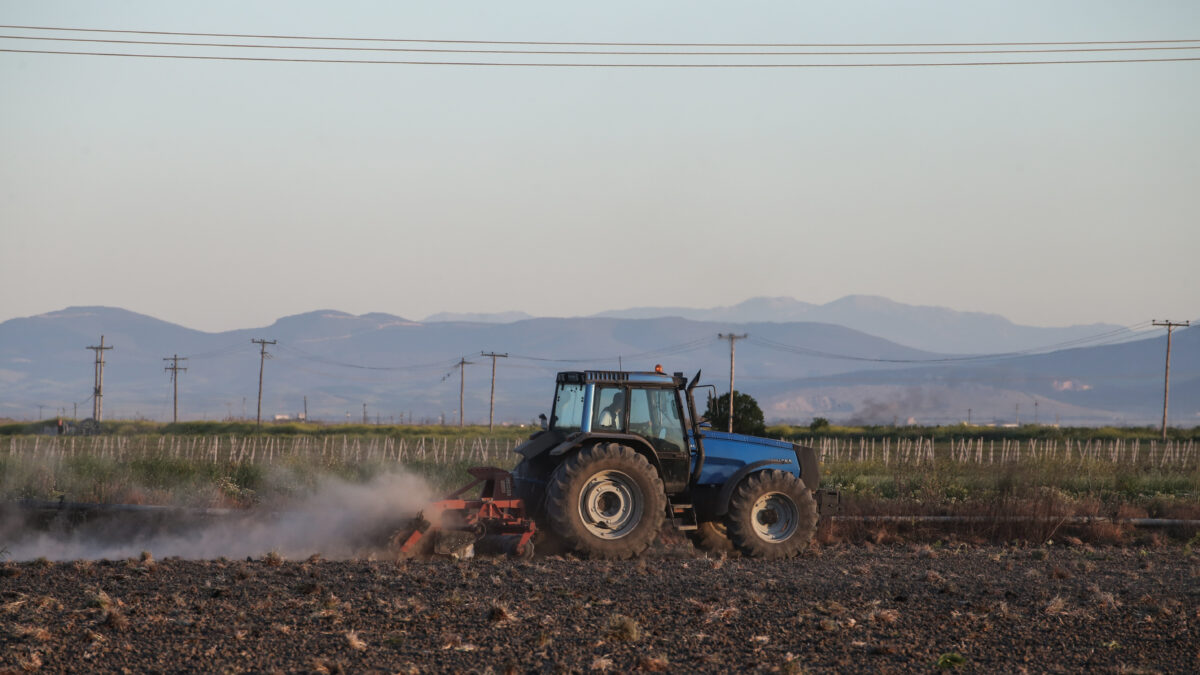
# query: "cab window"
{"type": "Point", "coordinates": [568, 408]}
{"type": "Point", "coordinates": [654, 414]}
{"type": "Point", "coordinates": [609, 406]}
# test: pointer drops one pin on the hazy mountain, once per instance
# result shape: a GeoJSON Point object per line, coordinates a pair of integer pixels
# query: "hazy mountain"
{"type": "Point", "coordinates": [397, 367]}
{"type": "Point", "coordinates": [1112, 384]}
{"type": "Point", "coordinates": [935, 329]}
{"type": "Point", "coordinates": [479, 317]}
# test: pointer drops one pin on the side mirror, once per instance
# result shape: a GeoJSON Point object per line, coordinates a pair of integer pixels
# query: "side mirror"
{"type": "Point", "coordinates": [542, 422]}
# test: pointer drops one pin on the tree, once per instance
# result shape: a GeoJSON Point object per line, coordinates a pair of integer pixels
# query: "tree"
{"type": "Point", "coordinates": [819, 424]}
{"type": "Point", "coordinates": [747, 416]}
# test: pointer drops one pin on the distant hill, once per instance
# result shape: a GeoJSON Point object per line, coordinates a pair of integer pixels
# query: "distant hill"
{"type": "Point", "coordinates": [1119, 384]}
{"type": "Point", "coordinates": [479, 317]}
{"type": "Point", "coordinates": [398, 367]}
{"type": "Point", "coordinates": [934, 329]}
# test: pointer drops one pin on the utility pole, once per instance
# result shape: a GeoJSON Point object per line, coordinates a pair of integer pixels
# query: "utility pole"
{"type": "Point", "coordinates": [492, 399]}
{"type": "Point", "coordinates": [732, 339]}
{"type": "Point", "coordinates": [98, 389]}
{"type": "Point", "coordinates": [1170, 325]}
{"type": "Point", "coordinates": [174, 368]}
{"type": "Point", "coordinates": [261, 361]}
{"type": "Point", "coordinates": [364, 413]}
{"type": "Point", "coordinates": [462, 386]}
{"type": "Point", "coordinates": [305, 408]}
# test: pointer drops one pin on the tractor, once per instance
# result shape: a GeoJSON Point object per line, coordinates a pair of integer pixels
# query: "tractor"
{"type": "Point", "coordinates": [624, 452]}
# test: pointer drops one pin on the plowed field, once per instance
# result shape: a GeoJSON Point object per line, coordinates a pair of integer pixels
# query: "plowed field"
{"type": "Point", "coordinates": [837, 609]}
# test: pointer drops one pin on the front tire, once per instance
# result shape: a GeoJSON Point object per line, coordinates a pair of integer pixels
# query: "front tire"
{"type": "Point", "coordinates": [606, 502]}
{"type": "Point", "coordinates": [772, 515]}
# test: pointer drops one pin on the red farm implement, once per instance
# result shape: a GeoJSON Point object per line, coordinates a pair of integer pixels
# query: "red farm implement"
{"type": "Point", "coordinates": [494, 521]}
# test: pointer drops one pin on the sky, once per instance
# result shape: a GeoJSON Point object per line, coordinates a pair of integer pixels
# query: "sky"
{"type": "Point", "coordinates": [225, 194]}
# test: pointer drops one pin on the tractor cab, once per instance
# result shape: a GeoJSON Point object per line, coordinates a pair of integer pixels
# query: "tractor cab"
{"type": "Point", "coordinates": [651, 406]}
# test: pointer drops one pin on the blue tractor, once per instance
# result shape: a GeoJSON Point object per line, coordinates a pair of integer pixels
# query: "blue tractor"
{"type": "Point", "coordinates": [624, 452]}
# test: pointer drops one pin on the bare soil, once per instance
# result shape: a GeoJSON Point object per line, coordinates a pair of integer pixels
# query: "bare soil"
{"type": "Point", "coordinates": [837, 608]}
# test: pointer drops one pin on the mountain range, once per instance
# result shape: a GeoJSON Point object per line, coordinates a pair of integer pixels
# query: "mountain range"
{"type": "Point", "coordinates": [332, 363]}
{"type": "Point", "coordinates": [935, 329]}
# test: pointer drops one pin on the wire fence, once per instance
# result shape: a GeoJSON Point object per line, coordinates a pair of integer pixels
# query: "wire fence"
{"type": "Point", "coordinates": [350, 449]}
{"type": "Point", "coordinates": [234, 449]}
{"type": "Point", "coordinates": [920, 450]}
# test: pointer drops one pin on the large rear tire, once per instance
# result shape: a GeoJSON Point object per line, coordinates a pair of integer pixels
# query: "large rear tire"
{"type": "Point", "coordinates": [772, 515]}
{"type": "Point", "coordinates": [606, 502]}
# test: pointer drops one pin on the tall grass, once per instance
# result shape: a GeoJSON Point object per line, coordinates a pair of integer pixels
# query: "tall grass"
{"type": "Point", "coordinates": [246, 428]}
{"type": "Point", "coordinates": [227, 470]}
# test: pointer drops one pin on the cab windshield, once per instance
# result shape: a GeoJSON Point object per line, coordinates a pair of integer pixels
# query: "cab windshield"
{"type": "Point", "coordinates": [568, 407]}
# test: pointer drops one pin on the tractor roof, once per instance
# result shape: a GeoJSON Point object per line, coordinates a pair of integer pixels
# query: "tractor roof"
{"type": "Point", "coordinates": [622, 377]}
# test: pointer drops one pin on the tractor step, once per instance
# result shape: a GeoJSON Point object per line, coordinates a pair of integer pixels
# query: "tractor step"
{"type": "Point", "coordinates": [683, 517]}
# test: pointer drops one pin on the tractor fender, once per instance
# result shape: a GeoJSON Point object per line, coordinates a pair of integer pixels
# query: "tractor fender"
{"type": "Point", "coordinates": [580, 439]}
{"type": "Point", "coordinates": [539, 443]}
{"type": "Point", "coordinates": [810, 468]}
{"type": "Point", "coordinates": [730, 485]}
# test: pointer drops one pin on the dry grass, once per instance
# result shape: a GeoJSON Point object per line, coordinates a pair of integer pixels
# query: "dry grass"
{"type": "Point", "coordinates": [31, 633]}
{"type": "Point", "coordinates": [1056, 607]}
{"type": "Point", "coordinates": [100, 600]}
{"type": "Point", "coordinates": [657, 663]}
{"type": "Point", "coordinates": [356, 643]}
{"type": "Point", "coordinates": [885, 616]}
{"type": "Point", "coordinates": [622, 628]}
{"type": "Point", "coordinates": [498, 613]}
{"type": "Point", "coordinates": [115, 619]}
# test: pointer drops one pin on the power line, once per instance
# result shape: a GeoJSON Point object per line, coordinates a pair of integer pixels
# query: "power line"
{"type": "Point", "coordinates": [601, 44]}
{"type": "Point", "coordinates": [576, 52]}
{"type": "Point", "coordinates": [320, 359]}
{"type": "Point", "coordinates": [663, 351]}
{"type": "Point", "coordinates": [220, 351]}
{"type": "Point", "coordinates": [523, 64]}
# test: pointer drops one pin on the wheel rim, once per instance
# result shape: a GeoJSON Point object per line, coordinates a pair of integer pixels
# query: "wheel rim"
{"type": "Point", "coordinates": [774, 517]}
{"type": "Point", "coordinates": [610, 505]}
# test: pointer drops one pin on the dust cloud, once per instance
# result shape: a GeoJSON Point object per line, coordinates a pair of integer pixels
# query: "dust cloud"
{"type": "Point", "coordinates": [896, 409]}
{"type": "Point", "coordinates": [338, 520]}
